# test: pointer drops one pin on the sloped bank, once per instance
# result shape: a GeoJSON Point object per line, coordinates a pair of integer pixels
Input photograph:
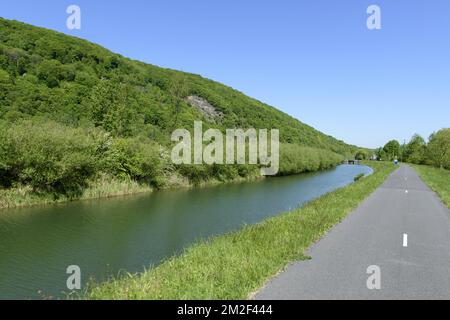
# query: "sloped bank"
{"type": "Point", "coordinates": [102, 183]}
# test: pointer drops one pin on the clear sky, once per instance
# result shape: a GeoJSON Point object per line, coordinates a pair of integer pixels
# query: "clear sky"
{"type": "Point", "coordinates": [314, 59]}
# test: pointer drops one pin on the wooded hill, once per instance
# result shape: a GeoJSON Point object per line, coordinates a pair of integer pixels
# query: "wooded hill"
{"type": "Point", "coordinates": [70, 109]}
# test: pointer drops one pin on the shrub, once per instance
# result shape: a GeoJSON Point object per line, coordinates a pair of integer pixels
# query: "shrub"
{"type": "Point", "coordinates": [297, 159]}
{"type": "Point", "coordinates": [438, 150]}
{"type": "Point", "coordinates": [361, 155]}
{"type": "Point", "coordinates": [137, 158]}
{"type": "Point", "coordinates": [47, 156]}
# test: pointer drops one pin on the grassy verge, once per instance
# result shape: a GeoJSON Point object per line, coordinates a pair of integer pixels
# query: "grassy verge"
{"type": "Point", "coordinates": [235, 265]}
{"type": "Point", "coordinates": [437, 179]}
{"type": "Point", "coordinates": [102, 188]}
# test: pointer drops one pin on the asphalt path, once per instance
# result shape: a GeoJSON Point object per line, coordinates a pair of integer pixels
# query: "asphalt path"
{"type": "Point", "coordinates": [396, 245]}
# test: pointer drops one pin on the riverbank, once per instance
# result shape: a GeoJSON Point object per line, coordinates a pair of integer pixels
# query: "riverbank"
{"type": "Point", "coordinates": [235, 265]}
{"type": "Point", "coordinates": [105, 187]}
{"type": "Point", "coordinates": [294, 160]}
{"type": "Point", "coordinates": [437, 179]}
{"type": "Point", "coordinates": [24, 196]}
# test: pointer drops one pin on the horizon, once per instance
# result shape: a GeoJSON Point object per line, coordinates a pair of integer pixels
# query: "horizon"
{"type": "Point", "coordinates": [333, 88]}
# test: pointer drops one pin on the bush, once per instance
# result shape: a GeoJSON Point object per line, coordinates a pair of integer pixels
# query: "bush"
{"type": "Point", "coordinates": [361, 155]}
{"type": "Point", "coordinates": [137, 158]}
{"type": "Point", "coordinates": [47, 156]}
{"type": "Point", "coordinates": [195, 173]}
{"type": "Point", "coordinates": [438, 150]}
{"type": "Point", "coordinates": [51, 157]}
{"type": "Point", "coordinates": [297, 159]}
{"type": "Point", "coordinates": [414, 151]}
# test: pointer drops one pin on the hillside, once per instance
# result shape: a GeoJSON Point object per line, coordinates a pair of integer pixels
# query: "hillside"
{"type": "Point", "coordinates": [68, 98]}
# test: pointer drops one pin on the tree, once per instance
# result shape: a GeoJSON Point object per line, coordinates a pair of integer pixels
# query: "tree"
{"type": "Point", "coordinates": [5, 84]}
{"type": "Point", "coordinates": [48, 156]}
{"type": "Point", "coordinates": [137, 158]}
{"type": "Point", "coordinates": [414, 151]}
{"type": "Point", "coordinates": [438, 151]}
{"type": "Point", "coordinates": [50, 71]}
{"type": "Point", "coordinates": [392, 149]}
{"type": "Point", "coordinates": [83, 89]}
{"type": "Point", "coordinates": [381, 154]}
{"type": "Point", "coordinates": [111, 107]}
{"type": "Point", "coordinates": [179, 90]}
{"type": "Point", "coordinates": [361, 155]}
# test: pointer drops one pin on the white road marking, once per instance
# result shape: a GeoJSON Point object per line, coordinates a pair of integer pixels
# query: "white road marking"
{"type": "Point", "coordinates": [405, 240]}
{"type": "Point", "coordinates": [406, 191]}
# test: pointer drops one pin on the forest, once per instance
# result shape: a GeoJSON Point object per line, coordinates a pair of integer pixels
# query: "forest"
{"type": "Point", "coordinates": [73, 113]}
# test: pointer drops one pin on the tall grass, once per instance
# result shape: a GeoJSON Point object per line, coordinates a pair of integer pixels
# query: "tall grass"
{"type": "Point", "coordinates": [294, 159]}
{"type": "Point", "coordinates": [234, 265]}
{"type": "Point", "coordinates": [437, 179]}
{"type": "Point", "coordinates": [297, 159]}
{"type": "Point", "coordinates": [103, 187]}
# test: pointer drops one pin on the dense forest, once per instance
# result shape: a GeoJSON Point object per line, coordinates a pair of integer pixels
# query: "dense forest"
{"type": "Point", "coordinates": [72, 112]}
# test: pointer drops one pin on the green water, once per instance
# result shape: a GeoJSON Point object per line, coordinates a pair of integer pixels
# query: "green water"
{"type": "Point", "coordinates": [106, 236]}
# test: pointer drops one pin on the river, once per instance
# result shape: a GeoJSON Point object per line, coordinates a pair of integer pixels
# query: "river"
{"type": "Point", "coordinates": [106, 236]}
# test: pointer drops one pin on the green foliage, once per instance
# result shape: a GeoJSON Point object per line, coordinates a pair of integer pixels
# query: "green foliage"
{"type": "Point", "coordinates": [55, 158]}
{"type": "Point", "coordinates": [438, 150]}
{"type": "Point", "coordinates": [362, 155]}
{"type": "Point", "coordinates": [415, 150]}
{"type": "Point", "coordinates": [74, 81]}
{"type": "Point", "coordinates": [392, 150]}
{"type": "Point", "coordinates": [112, 108]}
{"type": "Point", "coordinates": [4, 76]}
{"type": "Point", "coordinates": [47, 156]}
{"type": "Point", "coordinates": [139, 159]}
{"type": "Point", "coordinates": [296, 159]}
{"type": "Point", "coordinates": [381, 154]}
{"type": "Point", "coordinates": [198, 174]}
{"type": "Point", "coordinates": [438, 179]}
{"type": "Point", "coordinates": [106, 114]}
{"type": "Point", "coordinates": [179, 91]}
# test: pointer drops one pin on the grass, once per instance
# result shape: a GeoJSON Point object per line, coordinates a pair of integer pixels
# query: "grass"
{"type": "Point", "coordinates": [437, 179]}
{"type": "Point", "coordinates": [233, 266]}
{"type": "Point", "coordinates": [103, 187]}
{"type": "Point", "coordinates": [297, 160]}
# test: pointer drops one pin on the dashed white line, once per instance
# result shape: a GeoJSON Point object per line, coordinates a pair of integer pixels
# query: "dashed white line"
{"type": "Point", "coordinates": [406, 191]}
{"type": "Point", "coordinates": [405, 240]}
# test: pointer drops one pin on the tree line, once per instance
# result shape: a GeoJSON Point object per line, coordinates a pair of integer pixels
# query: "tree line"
{"type": "Point", "coordinates": [435, 151]}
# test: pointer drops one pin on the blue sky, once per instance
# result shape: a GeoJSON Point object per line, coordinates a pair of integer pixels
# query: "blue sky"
{"type": "Point", "coordinates": [314, 59]}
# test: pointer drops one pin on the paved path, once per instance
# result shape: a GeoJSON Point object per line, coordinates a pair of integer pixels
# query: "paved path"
{"type": "Point", "coordinates": [403, 228]}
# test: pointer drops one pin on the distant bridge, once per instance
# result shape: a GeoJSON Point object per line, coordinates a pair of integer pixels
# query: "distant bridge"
{"type": "Point", "coordinates": [351, 161]}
